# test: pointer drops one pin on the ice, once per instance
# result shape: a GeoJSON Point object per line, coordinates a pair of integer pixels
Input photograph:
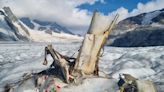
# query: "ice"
{"type": "Point", "coordinates": [142, 62]}
{"type": "Point", "coordinates": [1, 58]}
{"type": "Point", "coordinates": [94, 85]}
{"type": "Point", "coordinates": [138, 73]}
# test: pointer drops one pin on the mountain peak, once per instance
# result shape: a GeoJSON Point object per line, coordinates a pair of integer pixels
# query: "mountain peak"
{"type": "Point", "coordinates": [12, 29]}
{"type": "Point", "coordinates": [44, 25]}
{"type": "Point", "coordinates": [149, 18]}
{"type": "Point", "coordinates": [145, 29]}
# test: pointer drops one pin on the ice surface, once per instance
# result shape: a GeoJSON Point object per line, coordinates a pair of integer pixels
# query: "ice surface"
{"type": "Point", "coordinates": [94, 85]}
{"type": "Point", "coordinates": [142, 62]}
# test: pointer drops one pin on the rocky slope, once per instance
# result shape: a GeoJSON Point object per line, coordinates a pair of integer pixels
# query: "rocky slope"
{"type": "Point", "coordinates": [44, 25]}
{"type": "Point", "coordinates": [11, 29]}
{"type": "Point", "coordinates": [142, 30]}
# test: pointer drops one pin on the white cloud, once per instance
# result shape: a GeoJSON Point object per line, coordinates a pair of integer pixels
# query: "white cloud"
{"type": "Point", "coordinates": [150, 6]}
{"type": "Point", "coordinates": [123, 13]}
{"type": "Point", "coordinates": [65, 12]}
{"type": "Point", "coordinates": [141, 8]}
{"type": "Point", "coordinates": [103, 1]}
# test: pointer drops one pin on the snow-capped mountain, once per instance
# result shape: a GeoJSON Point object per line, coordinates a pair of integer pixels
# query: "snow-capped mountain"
{"type": "Point", "coordinates": [44, 25]}
{"type": "Point", "coordinates": [12, 29]}
{"type": "Point", "coordinates": [45, 31]}
{"type": "Point", "coordinates": [6, 35]}
{"type": "Point", "coordinates": [142, 30]}
{"type": "Point", "coordinates": [144, 19]}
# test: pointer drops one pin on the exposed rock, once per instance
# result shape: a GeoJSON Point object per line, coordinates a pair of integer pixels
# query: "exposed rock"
{"type": "Point", "coordinates": [11, 29]}
{"type": "Point", "coordinates": [141, 37]}
{"type": "Point", "coordinates": [44, 25]}
{"type": "Point", "coordinates": [142, 30]}
{"type": "Point", "coordinates": [19, 29]}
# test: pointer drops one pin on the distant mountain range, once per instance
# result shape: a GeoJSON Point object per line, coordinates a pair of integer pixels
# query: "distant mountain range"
{"type": "Point", "coordinates": [145, 29]}
{"type": "Point", "coordinates": [44, 25]}
{"type": "Point", "coordinates": [25, 29]}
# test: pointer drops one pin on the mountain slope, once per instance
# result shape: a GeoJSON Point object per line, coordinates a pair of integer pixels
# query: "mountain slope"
{"type": "Point", "coordinates": [11, 29]}
{"type": "Point", "coordinates": [45, 31]}
{"type": "Point", "coordinates": [145, 19]}
{"type": "Point", "coordinates": [44, 25]}
{"type": "Point", "coordinates": [6, 35]}
{"type": "Point", "coordinates": [142, 30]}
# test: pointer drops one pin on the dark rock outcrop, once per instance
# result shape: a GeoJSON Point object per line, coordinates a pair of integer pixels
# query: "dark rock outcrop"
{"type": "Point", "coordinates": [141, 37]}
{"type": "Point", "coordinates": [12, 28]}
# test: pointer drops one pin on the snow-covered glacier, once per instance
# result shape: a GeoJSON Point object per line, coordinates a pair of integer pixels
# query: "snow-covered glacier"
{"type": "Point", "coordinates": [147, 63]}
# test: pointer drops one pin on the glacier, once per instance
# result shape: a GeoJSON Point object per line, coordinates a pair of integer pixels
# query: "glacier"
{"type": "Point", "coordinates": [145, 63]}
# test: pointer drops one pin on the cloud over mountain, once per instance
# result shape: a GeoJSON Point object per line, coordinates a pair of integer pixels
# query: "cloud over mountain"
{"type": "Point", "coordinates": [66, 13]}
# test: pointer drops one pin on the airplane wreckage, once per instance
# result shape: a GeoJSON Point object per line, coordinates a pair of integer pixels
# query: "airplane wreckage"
{"type": "Point", "coordinates": [71, 70]}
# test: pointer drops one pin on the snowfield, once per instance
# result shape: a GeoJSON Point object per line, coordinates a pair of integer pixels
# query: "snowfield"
{"type": "Point", "coordinates": [141, 62]}
{"type": "Point", "coordinates": [42, 36]}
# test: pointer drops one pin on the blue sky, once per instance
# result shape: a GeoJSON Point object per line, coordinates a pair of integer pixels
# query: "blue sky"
{"type": "Point", "coordinates": [112, 5]}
